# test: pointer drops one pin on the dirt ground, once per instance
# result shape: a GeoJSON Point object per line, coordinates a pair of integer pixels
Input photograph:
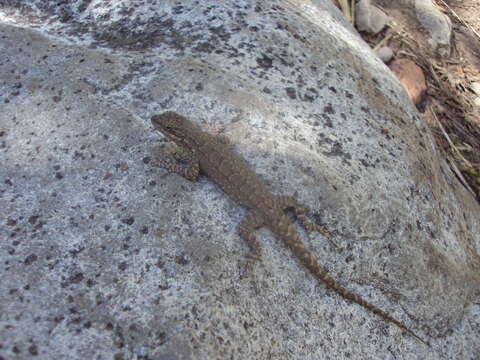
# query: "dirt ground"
{"type": "Point", "coordinates": [450, 112]}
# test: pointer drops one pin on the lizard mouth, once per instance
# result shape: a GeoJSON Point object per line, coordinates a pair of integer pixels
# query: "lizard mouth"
{"type": "Point", "coordinates": [172, 133]}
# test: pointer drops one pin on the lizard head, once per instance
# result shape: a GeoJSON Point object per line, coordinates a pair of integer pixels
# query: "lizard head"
{"type": "Point", "coordinates": [175, 127]}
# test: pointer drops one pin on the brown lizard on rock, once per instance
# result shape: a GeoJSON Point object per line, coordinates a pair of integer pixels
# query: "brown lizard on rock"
{"type": "Point", "coordinates": [213, 155]}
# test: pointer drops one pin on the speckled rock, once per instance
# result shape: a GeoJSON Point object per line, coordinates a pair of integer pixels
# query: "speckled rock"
{"type": "Point", "coordinates": [106, 256]}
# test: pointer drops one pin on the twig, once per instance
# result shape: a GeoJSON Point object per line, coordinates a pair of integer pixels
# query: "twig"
{"type": "Point", "coordinates": [450, 160]}
{"type": "Point", "coordinates": [459, 174]}
{"type": "Point", "coordinates": [346, 9]}
{"type": "Point", "coordinates": [352, 8]}
{"type": "Point", "coordinates": [455, 150]}
{"type": "Point", "coordinates": [383, 41]}
{"type": "Point", "coordinates": [460, 19]}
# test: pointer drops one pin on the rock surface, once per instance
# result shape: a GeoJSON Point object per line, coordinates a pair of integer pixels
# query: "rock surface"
{"type": "Point", "coordinates": [385, 54]}
{"type": "Point", "coordinates": [437, 24]}
{"type": "Point", "coordinates": [369, 18]}
{"type": "Point", "coordinates": [106, 256]}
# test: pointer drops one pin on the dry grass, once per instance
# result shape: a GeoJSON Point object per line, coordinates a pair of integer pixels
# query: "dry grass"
{"type": "Point", "coordinates": [456, 126]}
{"type": "Point", "coordinates": [451, 116]}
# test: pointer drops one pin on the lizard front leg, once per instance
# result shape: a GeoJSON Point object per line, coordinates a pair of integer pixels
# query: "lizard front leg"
{"type": "Point", "coordinates": [289, 202]}
{"type": "Point", "coordinates": [189, 168]}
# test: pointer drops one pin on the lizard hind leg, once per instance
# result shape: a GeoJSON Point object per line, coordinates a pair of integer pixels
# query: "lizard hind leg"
{"type": "Point", "coordinates": [290, 203]}
{"type": "Point", "coordinates": [246, 230]}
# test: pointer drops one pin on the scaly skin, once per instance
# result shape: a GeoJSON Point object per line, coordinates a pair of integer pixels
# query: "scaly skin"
{"type": "Point", "coordinates": [214, 157]}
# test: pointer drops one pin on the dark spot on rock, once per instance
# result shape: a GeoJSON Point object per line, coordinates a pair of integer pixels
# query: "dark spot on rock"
{"type": "Point", "coordinates": [109, 326]}
{"type": "Point", "coordinates": [59, 175]}
{"type": "Point", "coordinates": [291, 93]}
{"type": "Point", "coordinates": [152, 183]}
{"type": "Point", "coordinates": [75, 252]}
{"type": "Point", "coordinates": [33, 219]}
{"type": "Point", "coordinates": [56, 98]}
{"type": "Point", "coordinates": [199, 87]}
{"type": "Point", "coordinates": [122, 266]}
{"type": "Point", "coordinates": [181, 260]}
{"type": "Point", "coordinates": [30, 259]}
{"type": "Point", "coordinates": [2, 133]}
{"type": "Point", "coordinates": [310, 95]}
{"type": "Point", "coordinates": [177, 10]}
{"type": "Point", "coordinates": [332, 89]}
{"type": "Point", "coordinates": [146, 159]}
{"type": "Point", "coordinates": [348, 94]}
{"type": "Point", "coordinates": [128, 221]}
{"type": "Point", "coordinates": [107, 227]}
{"type": "Point", "coordinates": [74, 279]}
{"type": "Point", "coordinates": [78, 155]}
{"type": "Point", "coordinates": [16, 350]}
{"type": "Point", "coordinates": [11, 222]}
{"type": "Point", "coordinates": [8, 182]}
{"type": "Point", "coordinates": [222, 33]}
{"type": "Point", "coordinates": [161, 337]}
{"type": "Point", "coordinates": [328, 122]}
{"type": "Point", "coordinates": [329, 109]}
{"type": "Point", "coordinates": [118, 356]}
{"type": "Point", "coordinates": [160, 264]}
{"type": "Point", "coordinates": [419, 225]}
{"type": "Point", "coordinates": [90, 282]}
{"type": "Point", "coordinates": [205, 47]}
{"type": "Point", "coordinates": [144, 230]}
{"type": "Point", "coordinates": [337, 150]}
{"type": "Point", "coordinates": [83, 5]}
{"type": "Point", "coordinates": [365, 110]}
{"type": "Point", "coordinates": [267, 90]}
{"type": "Point", "coordinates": [264, 62]}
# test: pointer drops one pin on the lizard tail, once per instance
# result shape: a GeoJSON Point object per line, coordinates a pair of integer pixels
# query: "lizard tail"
{"type": "Point", "coordinates": [307, 258]}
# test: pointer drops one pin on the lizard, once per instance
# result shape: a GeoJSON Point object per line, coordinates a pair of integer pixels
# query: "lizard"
{"type": "Point", "coordinates": [214, 156]}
